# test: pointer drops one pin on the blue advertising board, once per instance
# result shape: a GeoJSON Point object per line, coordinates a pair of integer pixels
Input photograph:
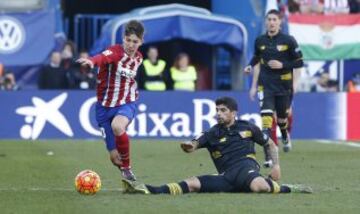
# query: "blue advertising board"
{"type": "Point", "coordinates": [70, 114]}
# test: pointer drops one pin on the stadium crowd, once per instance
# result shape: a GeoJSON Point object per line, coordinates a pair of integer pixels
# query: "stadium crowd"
{"type": "Point", "coordinates": [156, 74]}
{"type": "Point", "coordinates": [321, 6]}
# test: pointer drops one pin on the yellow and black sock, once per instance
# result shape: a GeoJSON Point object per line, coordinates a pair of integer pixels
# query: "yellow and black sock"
{"type": "Point", "coordinates": [276, 188]}
{"type": "Point", "coordinates": [171, 188]}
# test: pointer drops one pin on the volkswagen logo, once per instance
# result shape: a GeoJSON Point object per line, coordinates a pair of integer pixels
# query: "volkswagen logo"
{"type": "Point", "coordinates": [12, 35]}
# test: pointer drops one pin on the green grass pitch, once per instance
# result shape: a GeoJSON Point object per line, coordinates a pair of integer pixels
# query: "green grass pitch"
{"type": "Point", "coordinates": [31, 181]}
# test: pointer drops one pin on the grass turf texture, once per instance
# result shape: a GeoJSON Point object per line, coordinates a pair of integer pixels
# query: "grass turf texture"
{"type": "Point", "coordinates": [31, 181]}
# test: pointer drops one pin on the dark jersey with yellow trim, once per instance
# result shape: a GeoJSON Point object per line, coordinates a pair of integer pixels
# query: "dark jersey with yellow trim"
{"type": "Point", "coordinates": [283, 48]}
{"type": "Point", "coordinates": [228, 146]}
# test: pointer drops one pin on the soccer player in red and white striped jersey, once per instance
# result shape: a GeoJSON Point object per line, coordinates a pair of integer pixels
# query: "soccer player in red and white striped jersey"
{"type": "Point", "coordinates": [117, 93]}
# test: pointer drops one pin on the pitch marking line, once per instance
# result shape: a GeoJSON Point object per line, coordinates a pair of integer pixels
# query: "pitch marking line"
{"type": "Point", "coordinates": [351, 144]}
{"type": "Point", "coordinates": [41, 189]}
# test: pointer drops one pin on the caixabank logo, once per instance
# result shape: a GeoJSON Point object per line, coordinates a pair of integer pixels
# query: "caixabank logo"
{"type": "Point", "coordinates": [12, 35]}
{"type": "Point", "coordinates": [68, 115]}
{"type": "Point", "coordinates": [42, 113]}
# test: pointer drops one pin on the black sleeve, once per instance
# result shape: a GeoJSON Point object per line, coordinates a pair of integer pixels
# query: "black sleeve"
{"type": "Point", "coordinates": [258, 136]}
{"type": "Point", "coordinates": [296, 57]}
{"type": "Point", "coordinates": [140, 77]}
{"type": "Point", "coordinates": [256, 58]}
{"type": "Point", "coordinates": [202, 139]}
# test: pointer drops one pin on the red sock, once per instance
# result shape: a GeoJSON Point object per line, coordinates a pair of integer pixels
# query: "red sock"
{"type": "Point", "coordinates": [273, 131]}
{"type": "Point", "coordinates": [290, 121]}
{"type": "Point", "coordinates": [123, 147]}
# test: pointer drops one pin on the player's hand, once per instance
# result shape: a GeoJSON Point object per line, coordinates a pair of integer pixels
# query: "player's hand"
{"type": "Point", "coordinates": [187, 146]}
{"type": "Point", "coordinates": [275, 64]}
{"type": "Point", "coordinates": [85, 62]}
{"type": "Point", "coordinates": [275, 172]}
{"type": "Point", "coordinates": [248, 69]}
{"type": "Point", "coordinates": [252, 93]}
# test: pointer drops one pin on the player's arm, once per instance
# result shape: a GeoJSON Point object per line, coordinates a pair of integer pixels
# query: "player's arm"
{"type": "Point", "coordinates": [255, 59]}
{"type": "Point", "coordinates": [106, 57]}
{"type": "Point", "coordinates": [262, 139]}
{"type": "Point", "coordinates": [275, 172]}
{"type": "Point", "coordinates": [254, 82]}
{"type": "Point", "coordinates": [196, 143]}
{"type": "Point", "coordinates": [273, 151]}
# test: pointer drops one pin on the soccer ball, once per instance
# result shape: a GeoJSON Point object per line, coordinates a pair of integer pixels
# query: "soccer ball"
{"type": "Point", "coordinates": [87, 182]}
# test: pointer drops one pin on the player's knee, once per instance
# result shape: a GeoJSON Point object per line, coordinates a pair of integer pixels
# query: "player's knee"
{"type": "Point", "coordinates": [259, 185]}
{"type": "Point", "coordinates": [267, 120]}
{"type": "Point", "coordinates": [193, 184]}
{"type": "Point", "coordinates": [117, 129]}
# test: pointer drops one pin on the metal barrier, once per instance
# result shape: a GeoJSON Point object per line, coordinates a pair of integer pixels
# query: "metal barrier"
{"type": "Point", "coordinates": [87, 28]}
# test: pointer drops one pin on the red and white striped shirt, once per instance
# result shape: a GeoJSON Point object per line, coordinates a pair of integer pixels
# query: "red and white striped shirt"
{"type": "Point", "coordinates": [116, 83]}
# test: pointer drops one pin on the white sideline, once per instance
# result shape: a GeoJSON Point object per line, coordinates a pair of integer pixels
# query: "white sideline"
{"type": "Point", "coordinates": [42, 189]}
{"type": "Point", "coordinates": [351, 144]}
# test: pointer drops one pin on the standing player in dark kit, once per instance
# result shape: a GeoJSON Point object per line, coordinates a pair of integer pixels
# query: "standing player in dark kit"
{"type": "Point", "coordinates": [278, 54]}
{"type": "Point", "coordinates": [117, 93]}
{"type": "Point", "coordinates": [231, 147]}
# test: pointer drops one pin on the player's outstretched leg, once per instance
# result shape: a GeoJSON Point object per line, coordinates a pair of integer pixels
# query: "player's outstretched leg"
{"type": "Point", "coordinates": [140, 188]}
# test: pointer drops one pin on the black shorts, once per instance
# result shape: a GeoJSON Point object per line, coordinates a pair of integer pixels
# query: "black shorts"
{"type": "Point", "coordinates": [278, 103]}
{"type": "Point", "coordinates": [237, 179]}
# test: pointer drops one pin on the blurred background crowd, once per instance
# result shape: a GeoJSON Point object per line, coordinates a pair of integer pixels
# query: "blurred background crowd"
{"type": "Point", "coordinates": [169, 65]}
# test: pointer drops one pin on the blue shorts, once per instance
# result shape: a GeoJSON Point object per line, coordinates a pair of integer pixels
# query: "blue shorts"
{"type": "Point", "coordinates": [105, 115]}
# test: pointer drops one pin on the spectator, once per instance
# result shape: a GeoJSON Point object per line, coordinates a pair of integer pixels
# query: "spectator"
{"type": "Point", "coordinates": [153, 75]}
{"type": "Point", "coordinates": [336, 6]}
{"type": "Point", "coordinates": [354, 84]}
{"type": "Point", "coordinates": [311, 6]}
{"type": "Point", "coordinates": [53, 76]}
{"type": "Point", "coordinates": [81, 77]}
{"type": "Point", "coordinates": [1, 69]}
{"type": "Point", "coordinates": [354, 6]}
{"type": "Point", "coordinates": [67, 55]}
{"type": "Point", "coordinates": [183, 74]}
{"type": "Point", "coordinates": [325, 84]}
{"type": "Point", "coordinates": [7, 81]}
{"type": "Point", "coordinates": [293, 6]}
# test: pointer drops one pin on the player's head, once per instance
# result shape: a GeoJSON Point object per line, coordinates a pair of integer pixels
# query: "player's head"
{"type": "Point", "coordinates": [226, 109]}
{"type": "Point", "coordinates": [273, 21]}
{"type": "Point", "coordinates": [133, 36]}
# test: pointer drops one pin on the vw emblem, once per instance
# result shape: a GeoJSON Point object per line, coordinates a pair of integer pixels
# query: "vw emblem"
{"type": "Point", "coordinates": [12, 35]}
